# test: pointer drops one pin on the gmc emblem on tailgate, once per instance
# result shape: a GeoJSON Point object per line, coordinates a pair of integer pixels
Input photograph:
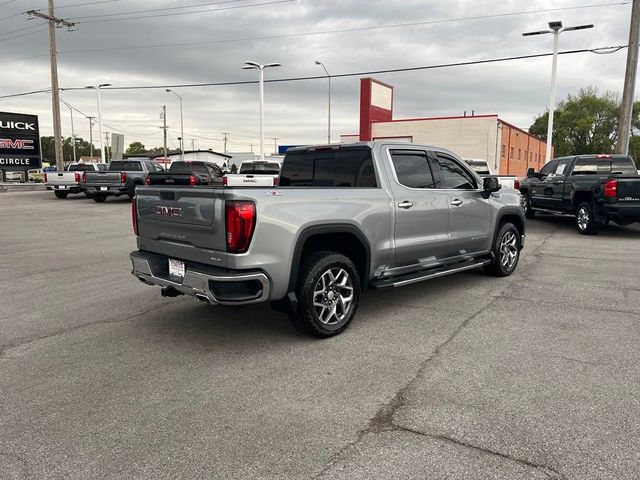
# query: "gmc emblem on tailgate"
{"type": "Point", "coordinates": [168, 211]}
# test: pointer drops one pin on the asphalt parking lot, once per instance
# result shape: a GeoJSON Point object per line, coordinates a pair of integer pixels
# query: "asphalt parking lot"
{"type": "Point", "coordinates": [530, 376]}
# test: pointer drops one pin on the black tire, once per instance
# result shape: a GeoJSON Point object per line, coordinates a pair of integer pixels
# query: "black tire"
{"type": "Point", "coordinates": [316, 271]}
{"type": "Point", "coordinates": [60, 194]}
{"type": "Point", "coordinates": [99, 198]}
{"type": "Point", "coordinates": [585, 222]}
{"type": "Point", "coordinates": [526, 206]}
{"type": "Point", "coordinates": [506, 251]}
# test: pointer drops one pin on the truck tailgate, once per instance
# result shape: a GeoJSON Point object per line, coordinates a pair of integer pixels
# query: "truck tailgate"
{"type": "Point", "coordinates": [185, 222]}
{"type": "Point", "coordinates": [63, 178]}
{"type": "Point", "coordinates": [103, 178]}
{"type": "Point", "coordinates": [629, 189]}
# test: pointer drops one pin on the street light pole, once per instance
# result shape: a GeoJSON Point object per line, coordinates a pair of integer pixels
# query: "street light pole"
{"type": "Point", "coordinates": [260, 68]}
{"type": "Point", "coordinates": [73, 135]}
{"type": "Point", "coordinates": [102, 146]}
{"type": "Point", "coordinates": [328, 101]}
{"type": "Point", "coordinates": [168, 90]}
{"type": "Point", "coordinates": [556, 29]}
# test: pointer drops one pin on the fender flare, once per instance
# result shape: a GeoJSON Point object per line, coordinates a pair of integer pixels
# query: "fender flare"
{"type": "Point", "coordinates": [313, 230]}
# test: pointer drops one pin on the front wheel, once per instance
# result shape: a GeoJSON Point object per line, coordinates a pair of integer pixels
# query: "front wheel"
{"type": "Point", "coordinates": [585, 222]}
{"type": "Point", "coordinates": [328, 291]}
{"type": "Point", "coordinates": [526, 206]}
{"type": "Point", "coordinates": [506, 251]}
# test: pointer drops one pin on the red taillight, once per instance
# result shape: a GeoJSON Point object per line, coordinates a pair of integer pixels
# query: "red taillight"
{"type": "Point", "coordinates": [84, 177]}
{"type": "Point", "coordinates": [193, 180]}
{"type": "Point", "coordinates": [516, 184]}
{"type": "Point", "coordinates": [147, 181]}
{"type": "Point", "coordinates": [134, 215]}
{"type": "Point", "coordinates": [240, 222]}
{"type": "Point", "coordinates": [77, 177]}
{"type": "Point", "coordinates": [123, 177]}
{"type": "Point", "coordinates": [225, 181]}
{"type": "Point", "coordinates": [275, 181]}
{"type": "Point", "coordinates": [45, 178]}
{"type": "Point", "coordinates": [611, 188]}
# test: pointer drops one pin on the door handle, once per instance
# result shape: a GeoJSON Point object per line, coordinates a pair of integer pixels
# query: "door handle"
{"type": "Point", "coordinates": [405, 204]}
{"type": "Point", "coordinates": [456, 202]}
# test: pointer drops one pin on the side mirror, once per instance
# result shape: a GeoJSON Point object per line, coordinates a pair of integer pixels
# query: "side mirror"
{"type": "Point", "coordinates": [531, 173]}
{"type": "Point", "coordinates": [490, 185]}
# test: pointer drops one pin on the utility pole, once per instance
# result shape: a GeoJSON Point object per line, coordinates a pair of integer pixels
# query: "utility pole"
{"type": "Point", "coordinates": [193, 144]}
{"type": "Point", "coordinates": [163, 115]}
{"type": "Point", "coordinates": [55, 89]}
{"type": "Point", "coordinates": [275, 145]}
{"type": "Point", "coordinates": [626, 110]}
{"type": "Point", "coordinates": [106, 145]}
{"type": "Point", "coordinates": [225, 141]}
{"type": "Point", "coordinates": [91, 119]}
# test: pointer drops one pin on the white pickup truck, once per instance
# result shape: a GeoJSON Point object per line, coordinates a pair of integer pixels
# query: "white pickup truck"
{"type": "Point", "coordinates": [71, 180]}
{"type": "Point", "coordinates": [481, 167]}
{"type": "Point", "coordinates": [254, 174]}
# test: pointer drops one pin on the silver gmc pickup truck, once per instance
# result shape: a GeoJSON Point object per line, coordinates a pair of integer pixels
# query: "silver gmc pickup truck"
{"type": "Point", "coordinates": [343, 218]}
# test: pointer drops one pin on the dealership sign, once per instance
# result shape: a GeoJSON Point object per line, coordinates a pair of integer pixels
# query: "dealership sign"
{"type": "Point", "coordinates": [19, 142]}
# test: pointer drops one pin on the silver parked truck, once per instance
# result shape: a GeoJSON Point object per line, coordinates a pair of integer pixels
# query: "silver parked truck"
{"type": "Point", "coordinates": [343, 218]}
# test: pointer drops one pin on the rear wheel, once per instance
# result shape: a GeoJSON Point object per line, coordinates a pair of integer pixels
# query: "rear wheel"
{"type": "Point", "coordinates": [60, 194]}
{"type": "Point", "coordinates": [585, 222]}
{"type": "Point", "coordinates": [328, 291]}
{"type": "Point", "coordinates": [99, 198]}
{"type": "Point", "coordinates": [526, 206]}
{"type": "Point", "coordinates": [506, 251]}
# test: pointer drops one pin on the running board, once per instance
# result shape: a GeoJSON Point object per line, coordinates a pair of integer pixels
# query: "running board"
{"type": "Point", "coordinates": [407, 279]}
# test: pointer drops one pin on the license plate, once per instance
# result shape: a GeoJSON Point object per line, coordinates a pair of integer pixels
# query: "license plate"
{"type": "Point", "coordinates": [62, 187]}
{"type": "Point", "coordinates": [176, 268]}
{"type": "Point", "coordinates": [103, 189]}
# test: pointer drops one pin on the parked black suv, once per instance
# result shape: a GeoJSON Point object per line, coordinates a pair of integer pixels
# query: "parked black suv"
{"type": "Point", "coordinates": [594, 188]}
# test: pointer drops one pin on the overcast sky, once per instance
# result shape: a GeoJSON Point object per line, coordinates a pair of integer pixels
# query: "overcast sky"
{"type": "Point", "coordinates": [296, 112]}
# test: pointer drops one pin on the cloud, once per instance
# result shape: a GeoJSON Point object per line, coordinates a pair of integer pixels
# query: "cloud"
{"type": "Point", "coordinates": [296, 112]}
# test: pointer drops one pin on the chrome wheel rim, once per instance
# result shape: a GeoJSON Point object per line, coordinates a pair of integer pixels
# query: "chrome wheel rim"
{"type": "Point", "coordinates": [333, 296]}
{"type": "Point", "coordinates": [525, 203]}
{"type": "Point", "coordinates": [508, 250]}
{"type": "Point", "coordinates": [583, 218]}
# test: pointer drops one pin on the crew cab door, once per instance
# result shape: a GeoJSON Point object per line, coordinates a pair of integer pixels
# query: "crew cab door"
{"type": "Point", "coordinates": [421, 211]}
{"type": "Point", "coordinates": [541, 189]}
{"type": "Point", "coordinates": [469, 213]}
{"type": "Point", "coordinates": [555, 184]}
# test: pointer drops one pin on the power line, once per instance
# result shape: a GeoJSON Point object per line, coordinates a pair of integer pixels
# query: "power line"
{"type": "Point", "coordinates": [25, 58]}
{"type": "Point", "coordinates": [7, 2]}
{"type": "Point", "coordinates": [23, 35]}
{"type": "Point", "coordinates": [329, 32]}
{"type": "Point", "coordinates": [344, 75]}
{"type": "Point", "coordinates": [275, 2]}
{"type": "Point", "coordinates": [156, 9]}
{"type": "Point", "coordinates": [21, 29]}
{"type": "Point", "coordinates": [86, 3]}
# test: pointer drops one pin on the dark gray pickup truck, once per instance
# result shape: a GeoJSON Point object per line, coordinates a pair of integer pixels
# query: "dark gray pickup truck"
{"type": "Point", "coordinates": [595, 188]}
{"type": "Point", "coordinates": [122, 178]}
{"type": "Point", "coordinates": [343, 218]}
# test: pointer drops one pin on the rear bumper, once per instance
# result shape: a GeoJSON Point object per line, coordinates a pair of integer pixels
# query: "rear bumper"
{"type": "Point", "coordinates": [72, 188]}
{"type": "Point", "coordinates": [629, 212]}
{"type": "Point", "coordinates": [106, 189]}
{"type": "Point", "coordinates": [215, 285]}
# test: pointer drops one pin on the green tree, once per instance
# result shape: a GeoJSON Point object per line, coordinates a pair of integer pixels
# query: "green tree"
{"type": "Point", "coordinates": [82, 148]}
{"type": "Point", "coordinates": [583, 123]}
{"type": "Point", "coordinates": [135, 147]}
{"type": "Point", "coordinates": [234, 168]}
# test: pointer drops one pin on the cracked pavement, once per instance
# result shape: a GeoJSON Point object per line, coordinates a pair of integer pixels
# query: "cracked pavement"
{"type": "Point", "coordinates": [531, 376]}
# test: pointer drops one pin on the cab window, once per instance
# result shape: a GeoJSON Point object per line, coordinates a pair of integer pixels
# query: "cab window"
{"type": "Point", "coordinates": [453, 175]}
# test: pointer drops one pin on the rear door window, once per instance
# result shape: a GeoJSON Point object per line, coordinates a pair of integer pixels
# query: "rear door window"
{"type": "Point", "coordinates": [586, 166]}
{"type": "Point", "coordinates": [412, 168]}
{"type": "Point", "coordinates": [342, 167]}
